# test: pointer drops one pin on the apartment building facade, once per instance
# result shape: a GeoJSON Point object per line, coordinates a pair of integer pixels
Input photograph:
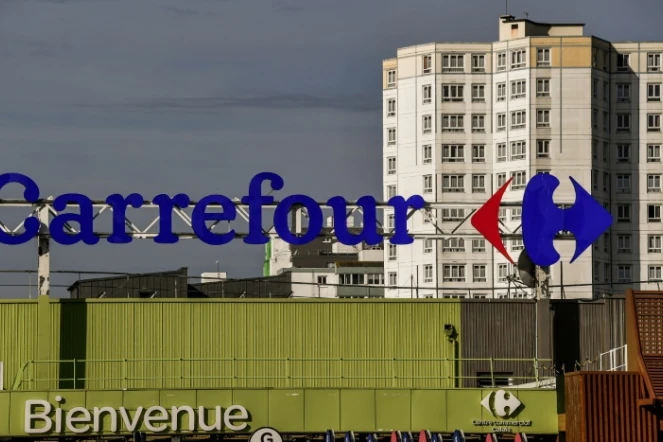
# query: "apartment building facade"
{"type": "Point", "coordinates": [461, 119]}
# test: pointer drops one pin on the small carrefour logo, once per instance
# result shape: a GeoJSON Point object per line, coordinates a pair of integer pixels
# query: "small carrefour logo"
{"type": "Point", "coordinates": [502, 404]}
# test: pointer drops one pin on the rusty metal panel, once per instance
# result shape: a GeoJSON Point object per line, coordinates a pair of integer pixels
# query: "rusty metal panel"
{"type": "Point", "coordinates": [18, 340]}
{"type": "Point", "coordinates": [500, 329]}
{"type": "Point", "coordinates": [603, 406]}
{"type": "Point", "coordinates": [215, 343]}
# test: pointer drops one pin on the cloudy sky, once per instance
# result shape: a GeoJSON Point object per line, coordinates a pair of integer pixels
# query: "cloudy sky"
{"type": "Point", "coordinates": [196, 96]}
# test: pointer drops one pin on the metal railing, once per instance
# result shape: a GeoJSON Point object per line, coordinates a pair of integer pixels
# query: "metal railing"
{"type": "Point", "coordinates": [614, 360]}
{"type": "Point", "coordinates": [275, 372]}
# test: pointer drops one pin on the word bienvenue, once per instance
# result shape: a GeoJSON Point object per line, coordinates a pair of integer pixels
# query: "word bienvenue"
{"type": "Point", "coordinates": [80, 420]}
{"type": "Point", "coordinates": [200, 216]}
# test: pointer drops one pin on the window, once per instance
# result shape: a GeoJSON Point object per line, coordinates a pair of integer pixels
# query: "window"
{"type": "Point", "coordinates": [501, 122]}
{"type": "Point", "coordinates": [606, 242]}
{"type": "Point", "coordinates": [518, 58]}
{"type": "Point", "coordinates": [427, 124]}
{"type": "Point", "coordinates": [478, 123]}
{"type": "Point", "coordinates": [654, 122]}
{"type": "Point", "coordinates": [478, 183]}
{"type": "Point", "coordinates": [502, 272]}
{"type": "Point", "coordinates": [654, 153]}
{"type": "Point", "coordinates": [654, 244]}
{"type": "Point", "coordinates": [501, 152]}
{"type": "Point", "coordinates": [623, 92]}
{"type": "Point", "coordinates": [543, 118]}
{"type": "Point", "coordinates": [539, 171]}
{"type": "Point", "coordinates": [428, 245]}
{"type": "Point", "coordinates": [352, 279]}
{"type": "Point", "coordinates": [519, 180]}
{"type": "Point", "coordinates": [393, 280]}
{"type": "Point", "coordinates": [653, 62]}
{"type": "Point", "coordinates": [428, 273]}
{"type": "Point", "coordinates": [453, 273]}
{"type": "Point", "coordinates": [605, 151]}
{"type": "Point", "coordinates": [453, 153]}
{"type": "Point", "coordinates": [391, 107]}
{"type": "Point", "coordinates": [623, 243]}
{"type": "Point", "coordinates": [453, 214]}
{"type": "Point", "coordinates": [623, 62]}
{"type": "Point", "coordinates": [653, 213]}
{"type": "Point", "coordinates": [391, 136]}
{"type": "Point", "coordinates": [623, 153]}
{"type": "Point", "coordinates": [428, 183]}
{"type": "Point", "coordinates": [390, 221]}
{"type": "Point", "coordinates": [654, 273]}
{"type": "Point", "coordinates": [453, 123]}
{"type": "Point", "coordinates": [453, 245]}
{"type": "Point", "coordinates": [516, 214]}
{"type": "Point", "coordinates": [478, 63]}
{"type": "Point", "coordinates": [392, 252]}
{"type": "Point", "coordinates": [478, 153]}
{"type": "Point", "coordinates": [479, 273]}
{"type": "Point", "coordinates": [427, 154]}
{"type": "Point", "coordinates": [478, 92]}
{"type": "Point", "coordinates": [428, 94]}
{"type": "Point", "coordinates": [543, 57]}
{"type": "Point", "coordinates": [595, 88]}
{"type": "Point", "coordinates": [518, 150]}
{"type": "Point", "coordinates": [596, 270]}
{"type": "Point", "coordinates": [653, 183]}
{"type": "Point", "coordinates": [322, 280]}
{"type": "Point", "coordinates": [452, 92]}
{"type": "Point", "coordinates": [606, 180]}
{"type": "Point", "coordinates": [605, 91]}
{"type": "Point", "coordinates": [595, 179]}
{"type": "Point", "coordinates": [478, 245]}
{"type": "Point", "coordinates": [516, 245]}
{"type": "Point", "coordinates": [543, 148]}
{"type": "Point", "coordinates": [501, 61]}
{"type": "Point", "coordinates": [502, 213]}
{"type": "Point", "coordinates": [606, 272]}
{"type": "Point", "coordinates": [501, 91]}
{"type": "Point", "coordinates": [391, 78]}
{"type": "Point", "coordinates": [375, 278]}
{"type": "Point", "coordinates": [624, 273]}
{"type": "Point", "coordinates": [654, 92]}
{"type": "Point", "coordinates": [624, 213]}
{"type": "Point", "coordinates": [518, 119]}
{"type": "Point", "coordinates": [427, 64]}
{"type": "Point", "coordinates": [452, 63]}
{"type": "Point", "coordinates": [518, 89]}
{"type": "Point", "coordinates": [606, 122]}
{"type": "Point", "coordinates": [595, 118]}
{"type": "Point", "coordinates": [391, 165]}
{"type": "Point", "coordinates": [595, 149]}
{"type": "Point", "coordinates": [453, 183]}
{"type": "Point", "coordinates": [624, 183]}
{"type": "Point", "coordinates": [543, 87]}
{"type": "Point", "coordinates": [623, 122]}
{"type": "Point", "coordinates": [391, 192]}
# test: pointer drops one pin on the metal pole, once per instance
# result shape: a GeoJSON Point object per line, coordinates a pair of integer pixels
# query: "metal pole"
{"type": "Point", "coordinates": [44, 255]}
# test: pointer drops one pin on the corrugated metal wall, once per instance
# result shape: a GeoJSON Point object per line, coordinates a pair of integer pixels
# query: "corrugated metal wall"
{"type": "Point", "coordinates": [571, 332]}
{"type": "Point", "coordinates": [602, 406]}
{"type": "Point", "coordinates": [278, 286]}
{"type": "Point", "coordinates": [16, 344]}
{"type": "Point", "coordinates": [260, 335]}
{"type": "Point", "coordinates": [162, 285]}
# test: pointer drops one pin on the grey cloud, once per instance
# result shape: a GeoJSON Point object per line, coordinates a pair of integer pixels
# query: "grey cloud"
{"type": "Point", "coordinates": [284, 6]}
{"type": "Point", "coordinates": [186, 12]}
{"type": "Point", "coordinates": [352, 103]}
{"type": "Point", "coordinates": [31, 47]}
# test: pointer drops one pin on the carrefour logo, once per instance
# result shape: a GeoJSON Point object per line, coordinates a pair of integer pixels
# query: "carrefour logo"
{"type": "Point", "coordinates": [501, 404]}
{"type": "Point", "coordinates": [542, 220]}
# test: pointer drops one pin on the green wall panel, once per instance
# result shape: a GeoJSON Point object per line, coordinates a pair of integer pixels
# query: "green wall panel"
{"type": "Point", "coordinates": [322, 409]}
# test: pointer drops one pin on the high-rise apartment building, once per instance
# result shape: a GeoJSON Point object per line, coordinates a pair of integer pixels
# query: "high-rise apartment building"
{"type": "Point", "coordinates": [460, 119]}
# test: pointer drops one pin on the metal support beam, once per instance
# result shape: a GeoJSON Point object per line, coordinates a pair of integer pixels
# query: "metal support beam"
{"type": "Point", "coordinates": [43, 252]}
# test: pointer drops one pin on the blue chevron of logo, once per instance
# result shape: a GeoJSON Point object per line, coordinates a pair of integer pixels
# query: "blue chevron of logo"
{"type": "Point", "coordinates": [542, 219]}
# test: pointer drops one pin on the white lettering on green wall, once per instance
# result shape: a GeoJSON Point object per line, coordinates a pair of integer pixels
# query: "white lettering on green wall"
{"type": "Point", "coordinates": [157, 419]}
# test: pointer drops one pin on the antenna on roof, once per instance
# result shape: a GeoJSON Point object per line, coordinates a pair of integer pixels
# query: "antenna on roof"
{"type": "Point", "coordinates": [506, 7]}
{"type": "Point", "coordinates": [526, 14]}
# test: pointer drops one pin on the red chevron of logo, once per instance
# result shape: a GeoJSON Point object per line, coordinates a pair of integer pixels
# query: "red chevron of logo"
{"type": "Point", "coordinates": [485, 220]}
